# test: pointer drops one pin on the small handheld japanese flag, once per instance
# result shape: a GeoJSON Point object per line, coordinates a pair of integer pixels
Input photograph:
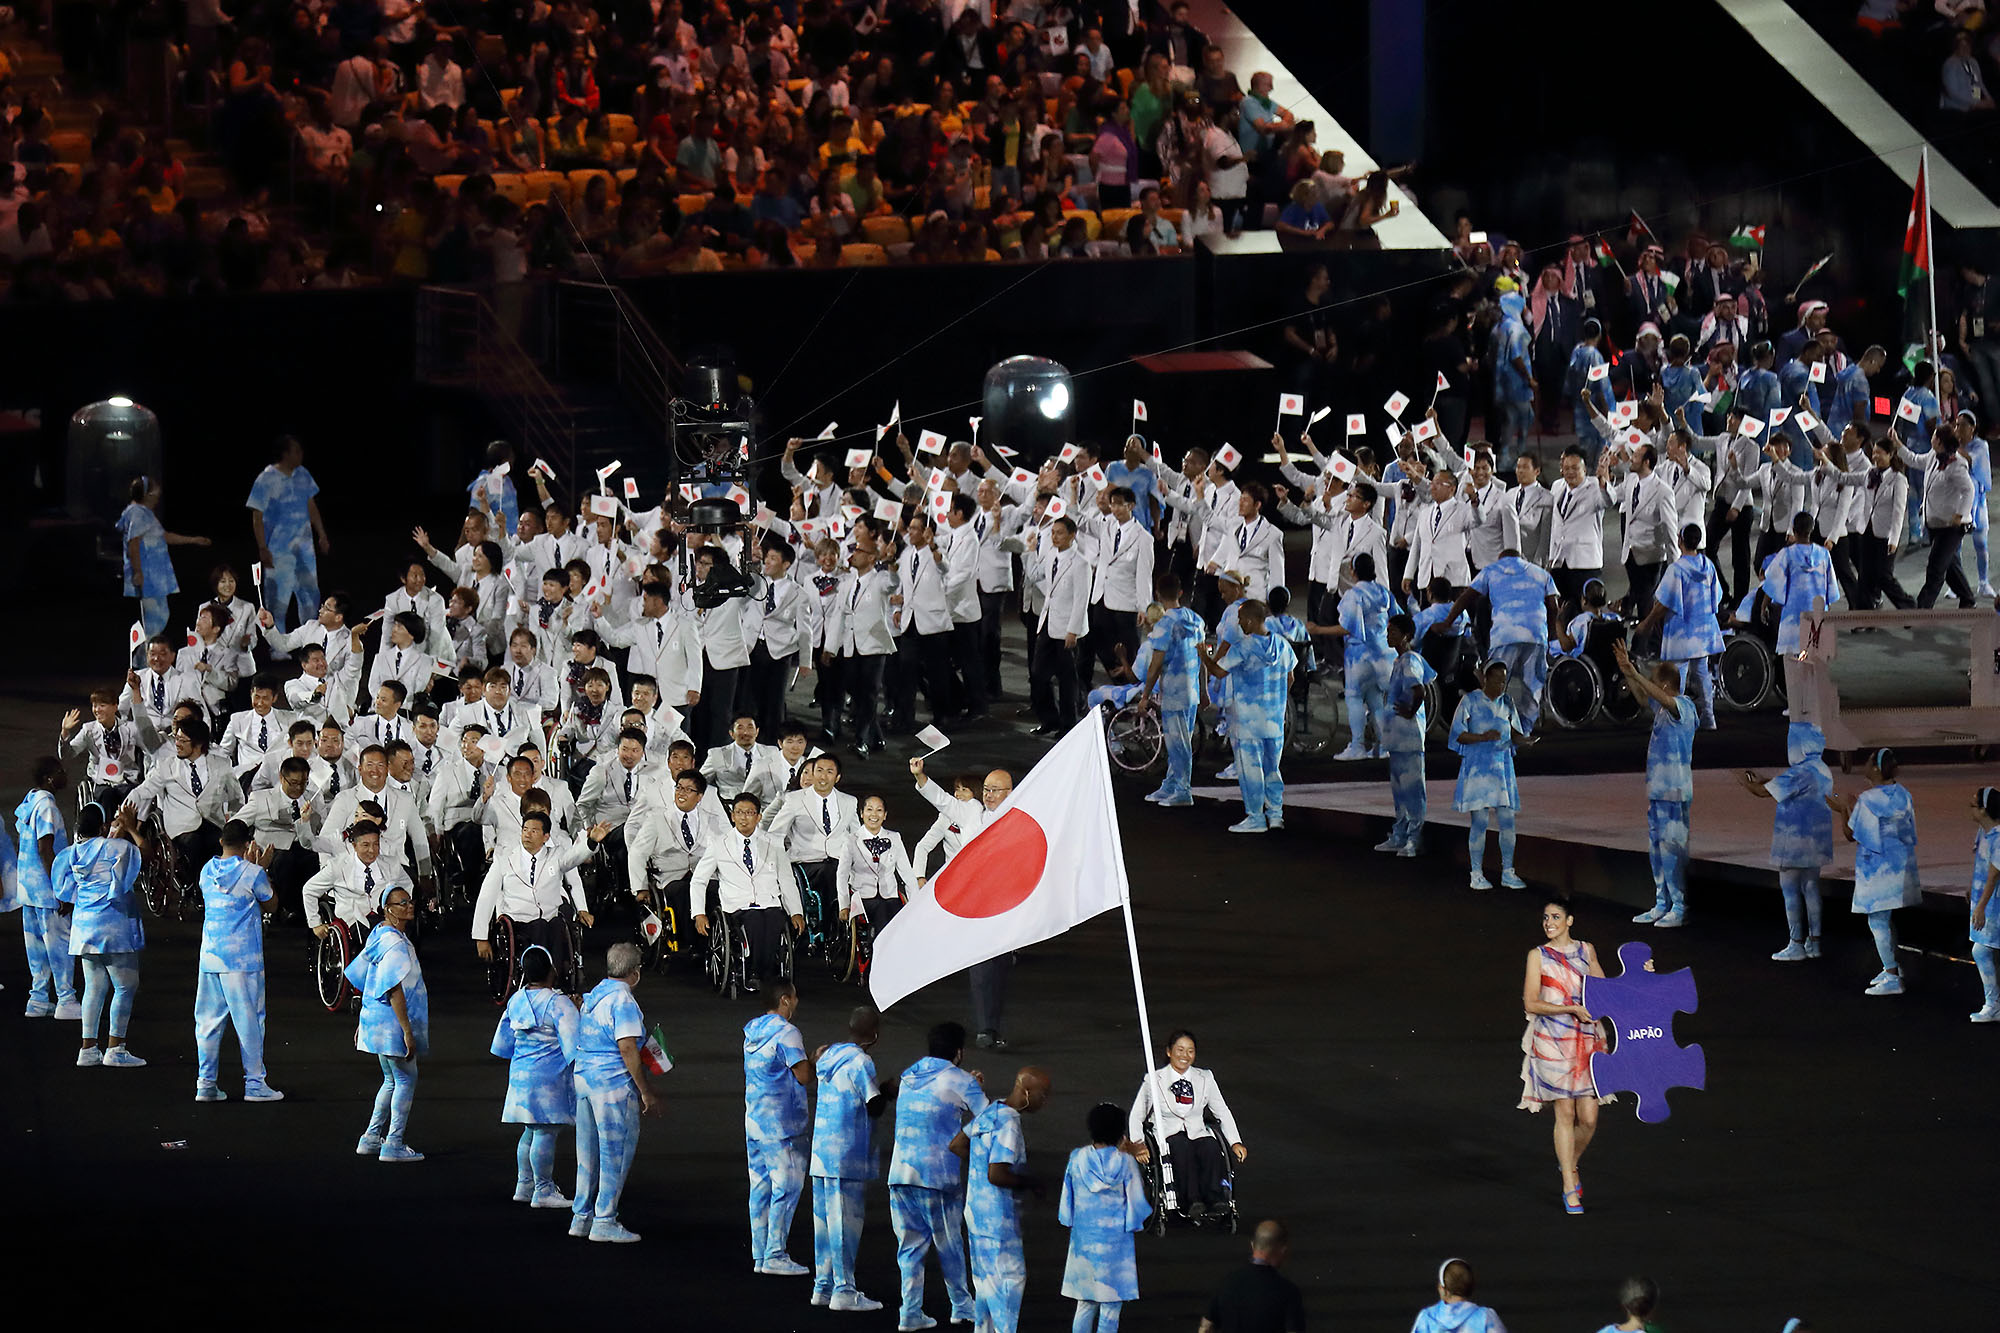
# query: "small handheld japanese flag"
{"type": "Point", "coordinates": [1626, 410]}
{"type": "Point", "coordinates": [1291, 404]}
{"type": "Point", "coordinates": [544, 469]}
{"type": "Point", "coordinates": [1022, 477]}
{"type": "Point", "coordinates": [601, 504]}
{"type": "Point", "coordinates": [1600, 371]}
{"type": "Point", "coordinates": [1004, 451]}
{"type": "Point", "coordinates": [831, 427]}
{"type": "Point", "coordinates": [503, 469]}
{"type": "Point", "coordinates": [1442, 384]}
{"type": "Point", "coordinates": [1321, 415]}
{"type": "Point", "coordinates": [932, 740]}
{"type": "Point", "coordinates": [1807, 421]}
{"type": "Point", "coordinates": [888, 510]}
{"type": "Point", "coordinates": [836, 528]}
{"type": "Point", "coordinates": [493, 747]}
{"type": "Point", "coordinates": [138, 633]}
{"type": "Point", "coordinates": [631, 488]}
{"type": "Point", "coordinates": [1138, 410]}
{"type": "Point", "coordinates": [1341, 467]}
{"type": "Point", "coordinates": [1909, 411]}
{"type": "Point", "coordinates": [636, 566]}
{"type": "Point", "coordinates": [940, 505]}
{"type": "Point", "coordinates": [689, 492]}
{"type": "Point", "coordinates": [1229, 457]}
{"type": "Point", "coordinates": [930, 442]}
{"type": "Point", "coordinates": [1068, 454]}
{"type": "Point", "coordinates": [1157, 456]}
{"type": "Point", "coordinates": [1634, 438]}
{"type": "Point", "coordinates": [1750, 427]}
{"type": "Point", "coordinates": [1423, 430]}
{"type": "Point", "coordinates": [1357, 424]}
{"type": "Point", "coordinates": [1397, 402]}
{"type": "Point", "coordinates": [507, 571]}
{"type": "Point", "coordinates": [937, 479]}
{"type": "Point", "coordinates": [651, 927]}
{"type": "Point", "coordinates": [654, 1054]}
{"type": "Point", "coordinates": [1395, 433]}
{"type": "Point", "coordinates": [604, 473]}
{"type": "Point", "coordinates": [1818, 372]}
{"type": "Point", "coordinates": [848, 512]}
{"type": "Point", "coordinates": [1778, 415]}
{"type": "Point", "coordinates": [858, 457]}
{"type": "Point", "coordinates": [975, 428]}
{"type": "Point", "coordinates": [590, 591]}
{"type": "Point", "coordinates": [739, 496]}
{"type": "Point", "coordinates": [1057, 508]}
{"type": "Point", "coordinates": [1096, 475]}
{"type": "Point", "coordinates": [257, 572]}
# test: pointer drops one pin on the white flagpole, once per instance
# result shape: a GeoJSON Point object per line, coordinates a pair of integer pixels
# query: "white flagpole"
{"type": "Point", "coordinates": [1930, 269]}
{"type": "Point", "coordinates": [1131, 936]}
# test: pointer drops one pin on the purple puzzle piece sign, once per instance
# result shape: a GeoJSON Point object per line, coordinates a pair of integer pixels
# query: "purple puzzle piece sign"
{"type": "Point", "coordinates": [1640, 1006]}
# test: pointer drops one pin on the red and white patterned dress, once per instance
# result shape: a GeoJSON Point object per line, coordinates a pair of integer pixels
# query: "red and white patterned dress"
{"type": "Point", "coordinates": [1556, 1049]}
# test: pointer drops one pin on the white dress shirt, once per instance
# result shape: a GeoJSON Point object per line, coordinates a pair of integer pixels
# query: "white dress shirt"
{"type": "Point", "coordinates": [524, 886]}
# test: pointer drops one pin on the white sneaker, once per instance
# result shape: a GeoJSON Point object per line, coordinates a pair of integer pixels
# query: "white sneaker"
{"type": "Point", "coordinates": [208, 1092]}
{"type": "Point", "coordinates": [579, 1225]}
{"type": "Point", "coordinates": [120, 1058]}
{"type": "Point", "coordinates": [86, 1056]}
{"type": "Point", "coordinates": [1887, 986]}
{"type": "Point", "coordinates": [261, 1092]}
{"type": "Point", "coordinates": [550, 1198]}
{"type": "Point", "coordinates": [69, 1011]}
{"type": "Point", "coordinates": [1986, 590]}
{"type": "Point", "coordinates": [1989, 1014]}
{"type": "Point", "coordinates": [1669, 921]}
{"type": "Point", "coordinates": [524, 1191]}
{"type": "Point", "coordinates": [1812, 946]}
{"type": "Point", "coordinates": [1795, 952]}
{"type": "Point", "coordinates": [1479, 881]}
{"type": "Point", "coordinates": [1227, 774]}
{"type": "Point", "coordinates": [1649, 916]}
{"type": "Point", "coordinates": [1510, 880]}
{"type": "Point", "coordinates": [1407, 849]}
{"type": "Point", "coordinates": [393, 1151]}
{"type": "Point", "coordinates": [821, 1297]}
{"type": "Point", "coordinates": [1274, 821]}
{"type": "Point", "coordinates": [917, 1325]}
{"type": "Point", "coordinates": [608, 1231]}
{"type": "Point", "coordinates": [1249, 824]}
{"type": "Point", "coordinates": [783, 1266]}
{"type": "Point", "coordinates": [1174, 802]}
{"type": "Point", "coordinates": [1389, 844]}
{"type": "Point", "coordinates": [1152, 796]}
{"type": "Point", "coordinates": [1351, 753]}
{"type": "Point", "coordinates": [38, 1008]}
{"type": "Point", "coordinates": [853, 1300]}
{"type": "Point", "coordinates": [1378, 753]}
{"type": "Point", "coordinates": [368, 1145]}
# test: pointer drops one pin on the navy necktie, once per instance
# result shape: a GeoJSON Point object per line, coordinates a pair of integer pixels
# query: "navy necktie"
{"type": "Point", "coordinates": [531, 870]}
{"type": "Point", "coordinates": [628, 786]}
{"type": "Point", "coordinates": [194, 779]}
{"type": "Point", "coordinates": [748, 863]}
{"type": "Point", "coordinates": [687, 834]}
{"type": "Point", "coordinates": [159, 694]}
{"type": "Point", "coordinates": [876, 846]}
{"type": "Point", "coordinates": [264, 734]}
{"type": "Point", "coordinates": [770, 598]}
{"type": "Point", "coordinates": [295, 812]}
{"type": "Point", "coordinates": [333, 787]}
{"type": "Point", "coordinates": [368, 879]}
{"type": "Point", "coordinates": [826, 815]}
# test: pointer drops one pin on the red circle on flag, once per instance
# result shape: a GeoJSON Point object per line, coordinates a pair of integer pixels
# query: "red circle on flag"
{"type": "Point", "coordinates": [997, 870]}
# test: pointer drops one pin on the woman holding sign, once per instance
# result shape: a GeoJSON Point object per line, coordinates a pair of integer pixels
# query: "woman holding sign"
{"type": "Point", "coordinates": [1561, 1038]}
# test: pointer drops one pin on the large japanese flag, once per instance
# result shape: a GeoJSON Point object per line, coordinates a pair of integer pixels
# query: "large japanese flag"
{"type": "Point", "coordinates": [1047, 860]}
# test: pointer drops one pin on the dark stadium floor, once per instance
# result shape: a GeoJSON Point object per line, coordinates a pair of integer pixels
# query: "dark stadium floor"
{"type": "Point", "coordinates": [1361, 1013]}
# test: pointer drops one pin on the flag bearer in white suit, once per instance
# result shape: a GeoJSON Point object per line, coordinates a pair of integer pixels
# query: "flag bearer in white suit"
{"type": "Point", "coordinates": [989, 979]}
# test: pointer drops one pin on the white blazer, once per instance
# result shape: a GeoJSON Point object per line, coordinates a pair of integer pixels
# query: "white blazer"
{"type": "Point", "coordinates": [1178, 1105]}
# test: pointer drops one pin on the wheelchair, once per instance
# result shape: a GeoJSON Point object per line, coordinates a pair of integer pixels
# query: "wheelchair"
{"type": "Point", "coordinates": [851, 956]}
{"type": "Point", "coordinates": [1455, 661]}
{"type": "Point", "coordinates": [1748, 675]}
{"type": "Point", "coordinates": [330, 957]}
{"type": "Point", "coordinates": [659, 925]}
{"type": "Point", "coordinates": [1582, 688]}
{"type": "Point", "coordinates": [1161, 1191]}
{"type": "Point", "coordinates": [726, 951]}
{"type": "Point", "coordinates": [818, 939]}
{"type": "Point", "coordinates": [1137, 740]}
{"type": "Point", "coordinates": [161, 886]}
{"type": "Point", "coordinates": [503, 969]}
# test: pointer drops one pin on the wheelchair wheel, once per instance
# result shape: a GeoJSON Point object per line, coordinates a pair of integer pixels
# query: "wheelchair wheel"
{"type": "Point", "coordinates": [1573, 693]}
{"type": "Point", "coordinates": [715, 960]}
{"type": "Point", "coordinates": [1747, 674]}
{"type": "Point", "coordinates": [500, 969]}
{"type": "Point", "coordinates": [573, 932]}
{"type": "Point", "coordinates": [1135, 739]}
{"type": "Point", "coordinates": [654, 949]}
{"type": "Point", "coordinates": [331, 956]}
{"type": "Point", "coordinates": [789, 946]}
{"type": "Point", "coordinates": [1621, 705]}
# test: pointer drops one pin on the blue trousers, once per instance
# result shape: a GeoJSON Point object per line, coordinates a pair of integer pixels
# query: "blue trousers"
{"type": "Point", "coordinates": [222, 998]}
{"type": "Point", "coordinates": [1527, 672]}
{"type": "Point", "coordinates": [926, 1219]}
{"type": "Point", "coordinates": [118, 974]}
{"type": "Point", "coordinates": [1989, 977]}
{"type": "Point", "coordinates": [1667, 840]}
{"type": "Point", "coordinates": [1702, 672]}
{"type": "Point", "coordinates": [292, 573]}
{"type": "Point", "coordinates": [838, 1210]}
{"type": "Point", "coordinates": [535, 1157]}
{"type": "Point", "coordinates": [1475, 838]}
{"type": "Point", "coordinates": [607, 1137]}
{"type": "Point", "coordinates": [1365, 692]}
{"type": "Point", "coordinates": [391, 1116]}
{"type": "Point", "coordinates": [999, 1280]}
{"type": "Point", "coordinates": [1406, 786]}
{"type": "Point", "coordinates": [46, 932]}
{"type": "Point", "coordinates": [1096, 1317]}
{"type": "Point", "coordinates": [1802, 906]}
{"type": "Point", "coordinates": [1258, 778]}
{"type": "Point", "coordinates": [777, 1179]}
{"type": "Point", "coordinates": [1178, 726]}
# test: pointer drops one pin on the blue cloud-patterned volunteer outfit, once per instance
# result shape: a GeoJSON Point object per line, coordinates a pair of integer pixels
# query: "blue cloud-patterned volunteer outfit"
{"type": "Point", "coordinates": [774, 1133]}
{"type": "Point", "coordinates": [841, 1165]}
{"type": "Point", "coordinates": [535, 1033]}
{"type": "Point", "coordinates": [229, 985]}
{"type": "Point", "coordinates": [1103, 1203]}
{"type": "Point", "coordinates": [999, 1268]}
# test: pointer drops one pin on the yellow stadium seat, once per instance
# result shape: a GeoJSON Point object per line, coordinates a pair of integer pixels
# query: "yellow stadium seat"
{"type": "Point", "coordinates": [623, 176]}
{"type": "Point", "coordinates": [885, 230]}
{"type": "Point", "coordinates": [448, 184]}
{"type": "Point", "coordinates": [580, 179]}
{"type": "Point", "coordinates": [982, 196]}
{"type": "Point", "coordinates": [512, 185]}
{"type": "Point", "coordinates": [623, 129]}
{"type": "Point", "coordinates": [1090, 222]}
{"type": "Point", "coordinates": [1172, 215]}
{"type": "Point", "coordinates": [540, 184]}
{"type": "Point", "coordinates": [862, 254]}
{"type": "Point", "coordinates": [507, 96]}
{"type": "Point", "coordinates": [690, 204]}
{"type": "Point", "coordinates": [1114, 222]}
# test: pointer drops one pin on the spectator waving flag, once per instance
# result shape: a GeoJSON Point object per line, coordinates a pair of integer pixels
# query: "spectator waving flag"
{"type": "Point", "coordinates": [1048, 860]}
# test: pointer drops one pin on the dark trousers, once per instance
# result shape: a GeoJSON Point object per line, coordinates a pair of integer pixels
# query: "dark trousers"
{"type": "Point", "coordinates": [1768, 544]}
{"type": "Point", "coordinates": [880, 911]}
{"type": "Point", "coordinates": [763, 689]}
{"type": "Point", "coordinates": [824, 876]}
{"type": "Point", "coordinates": [989, 992]}
{"type": "Point", "coordinates": [1846, 552]}
{"type": "Point", "coordinates": [827, 696]}
{"type": "Point", "coordinates": [1197, 1169]}
{"type": "Point", "coordinates": [925, 659]}
{"type": "Point", "coordinates": [968, 653]}
{"type": "Point", "coordinates": [708, 726]}
{"type": "Point", "coordinates": [197, 848]}
{"type": "Point", "coordinates": [471, 850]}
{"type": "Point", "coordinates": [1720, 526]}
{"type": "Point", "coordinates": [991, 604]}
{"type": "Point", "coordinates": [289, 870]}
{"type": "Point", "coordinates": [1878, 574]}
{"type": "Point", "coordinates": [1569, 586]}
{"type": "Point", "coordinates": [1108, 631]}
{"type": "Point", "coordinates": [1207, 601]}
{"type": "Point", "coordinates": [761, 925]}
{"type": "Point", "coordinates": [1943, 568]}
{"type": "Point", "coordinates": [861, 681]}
{"type": "Point", "coordinates": [1180, 560]}
{"type": "Point", "coordinates": [551, 934]}
{"type": "Point", "coordinates": [1053, 687]}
